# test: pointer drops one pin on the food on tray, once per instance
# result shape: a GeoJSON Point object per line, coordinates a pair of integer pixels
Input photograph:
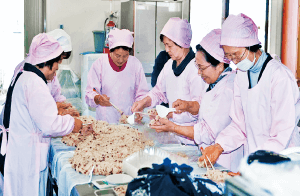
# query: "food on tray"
{"type": "Point", "coordinates": [106, 147]}
{"type": "Point", "coordinates": [87, 131]}
{"type": "Point", "coordinates": [121, 190]}
{"type": "Point", "coordinates": [123, 119]}
{"type": "Point", "coordinates": [216, 175]}
{"type": "Point", "coordinates": [181, 154]}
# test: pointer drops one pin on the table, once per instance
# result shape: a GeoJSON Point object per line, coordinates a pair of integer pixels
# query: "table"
{"type": "Point", "coordinates": [70, 182]}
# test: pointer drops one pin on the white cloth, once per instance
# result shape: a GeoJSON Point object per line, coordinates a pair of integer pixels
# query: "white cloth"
{"type": "Point", "coordinates": [123, 88]}
{"type": "Point", "coordinates": [187, 86]}
{"type": "Point", "coordinates": [34, 120]}
{"type": "Point", "coordinates": [265, 116]}
{"type": "Point", "coordinates": [214, 117]}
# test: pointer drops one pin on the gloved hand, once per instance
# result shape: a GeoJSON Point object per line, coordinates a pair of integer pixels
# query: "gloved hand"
{"type": "Point", "coordinates": [102, 100]}
{"type": "Point", "coordinates": [63, 105]}
{"type": "Point", "coordinates": [212, 152]}
{"type": "Point", "coordinates": [77, 125]}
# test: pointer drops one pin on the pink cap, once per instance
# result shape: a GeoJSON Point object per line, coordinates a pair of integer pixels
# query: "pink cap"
{"type": "Point", "coordinates": [211, 43]}
{"type": "Point", "coordinates": [179, 31]}
{"type": "Point", "coordinates": [120, 37]}
{"type": "Point", "coordinates": [42, 49]}
{"type": "Point", "coordinates": [239, 31]}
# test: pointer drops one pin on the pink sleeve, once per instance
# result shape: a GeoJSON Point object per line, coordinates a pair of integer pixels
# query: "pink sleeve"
{"type": "Point", "coordinates": [233, 136]}
{"type": "Point", "coordinates": [141, 87]}
{"type": "Point", "coordinates": [56, 90]}
{"type": "Point", "coordinates": [43, 111]}
{"type": "Point", "coordinates": [203, 133]}
{"type": "Point", "coordinates": [282, 112]}
{"type": "Point", "coordinates": [215, 118]}
{"type": "Point", "coordinates": [93, 81]}
{"type": "Point", "coordinates": [158, 92]}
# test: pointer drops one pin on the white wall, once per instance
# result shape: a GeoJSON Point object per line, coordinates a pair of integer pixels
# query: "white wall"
{"type": "Point", "coordinates": [80, 18]}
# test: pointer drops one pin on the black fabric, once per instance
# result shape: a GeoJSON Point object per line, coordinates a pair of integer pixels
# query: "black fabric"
{"type": "Point", "coordinates": [7, 107]}
{"type": "Point", "coordinates": [159, 64]}
{"type": "Point", "coordinates": [180, 68]}
{"type": "Point", "coordinates": [262, 69]}
{"type": "Point", "coordinates": [31, 68]}
{"type": "Point", "coordinates": [172, 180]}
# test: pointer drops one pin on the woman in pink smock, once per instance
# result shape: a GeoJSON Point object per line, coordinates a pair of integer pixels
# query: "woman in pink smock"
{"type": "Point", "coordinates": [178, 79]}
{"type": "Point", "coordinates": [118, 77]}
{"type": "Point", "coordinates": [64, 41]}
{"type": "Point", "coordinates": [33, 120]}
{"type": "Point", "coordinates": [215, 103]}
{"type": "Point", "coordinates": [265, 106]}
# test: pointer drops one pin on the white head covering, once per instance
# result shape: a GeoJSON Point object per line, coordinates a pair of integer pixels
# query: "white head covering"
{"type": "Point", "coordinates": [63, 39]}
{"type": "Point", "coordinates": [120, 37]}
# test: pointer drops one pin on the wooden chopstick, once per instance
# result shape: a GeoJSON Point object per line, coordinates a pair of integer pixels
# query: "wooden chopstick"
{"type": "Point", "coordinates": [210, 163]}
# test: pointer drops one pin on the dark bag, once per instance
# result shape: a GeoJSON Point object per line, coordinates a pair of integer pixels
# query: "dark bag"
{"type": "Point", "coordinates": [170, 179]}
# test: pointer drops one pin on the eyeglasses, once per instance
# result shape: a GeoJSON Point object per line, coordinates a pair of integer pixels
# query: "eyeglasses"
{"type": "Point", "coordinates": [201, 69]}
{"type": "Point", "coordinates": [234, 57]}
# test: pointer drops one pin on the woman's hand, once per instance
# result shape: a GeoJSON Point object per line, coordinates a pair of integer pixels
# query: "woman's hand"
{"type": "Point", "coordinates": [180, 106]}
{"type": "Point", "coordinates": [102, 100]}
{"type": "Point", "coordinates": [77, 125]}
{"type": "Point", "coordinates": [165, 125]}
{"type": "Point", "coordinates": [186, 106]}
{"type": "Point", "coordinates": [62, 105]}
{"type": "Point", "coordinates": [212, 152]}
{"type": "Point", "coordinates": [139, 106]}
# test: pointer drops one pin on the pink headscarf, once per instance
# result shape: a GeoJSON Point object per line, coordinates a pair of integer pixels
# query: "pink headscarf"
{"type": "Point", "coordinates": [179, 31]}
{"type": "Point", "coordinates": [239, 31]}
{"type": "Point", "coordinates": [120, 37]}
{"type": "Point", "coordinates": [211, 43]}
{"type": "Point", "coordinates": [42, 49]}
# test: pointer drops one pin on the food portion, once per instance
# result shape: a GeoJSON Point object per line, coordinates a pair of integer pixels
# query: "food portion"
{"type": "Point", "coordinates": [155, 121]}
{"type": "Point", "coordinates": [152, 112]}
{"type": "Point", "coordinates": [216, 175]}
{"type": "Point", "coordinates": [104, 146]}
{"type": "Point", "coordinates": [123, 119]}
{"type": "Point", "coordinates": [121, 190]}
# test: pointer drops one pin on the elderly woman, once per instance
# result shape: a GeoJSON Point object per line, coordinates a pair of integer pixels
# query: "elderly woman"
{"type": "Point", "coordinates": [118, 76]}
{"type": "Point", "coordinates": [215, 102]}
{"type": "Point", "coordinates": [265, 106]}
{"type": "Point", "coordinates": [178, 79]}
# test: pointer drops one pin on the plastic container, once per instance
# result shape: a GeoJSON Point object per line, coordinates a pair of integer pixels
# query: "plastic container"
{"type": "Point", "coordinates": [99, 40]}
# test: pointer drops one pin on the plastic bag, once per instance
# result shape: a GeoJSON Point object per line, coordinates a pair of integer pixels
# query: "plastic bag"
{"type": "Point", "coordinates": [69, 82]}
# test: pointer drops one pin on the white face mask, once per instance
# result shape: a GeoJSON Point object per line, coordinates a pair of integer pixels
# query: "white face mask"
{"type": "Point", "coordinates": [246, 64]}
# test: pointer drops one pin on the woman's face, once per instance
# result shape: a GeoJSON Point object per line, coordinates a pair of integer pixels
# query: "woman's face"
{"type": "Point", "coordinates": [174, 51]}
{"type": "Point", "coordinates": [207, 72]}
{"type": "Point", "coordinates": [236, 54]}
{"type": "Point", "coordinates": [50, 73]}
{"type": "Point", "coordinates": [119, 56]}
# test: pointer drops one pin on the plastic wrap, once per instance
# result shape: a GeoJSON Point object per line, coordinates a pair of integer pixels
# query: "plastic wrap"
{"type": "Point", "coordinates": [69, 82]}
{"type": "Point", "coordinates": [77, 103]}
{"type": "Point", "coordinates": [146, 157]}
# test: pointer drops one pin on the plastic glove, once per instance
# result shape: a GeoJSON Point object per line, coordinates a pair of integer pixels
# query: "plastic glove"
{"type": "Point", "coordinates": [63, 105]}
{"type": "Point", "coordinates": [212, 152]}
{"type": "Point", "coordinates": [77, 125]}
{"type": "Point", "coordinates": [102, 100]}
